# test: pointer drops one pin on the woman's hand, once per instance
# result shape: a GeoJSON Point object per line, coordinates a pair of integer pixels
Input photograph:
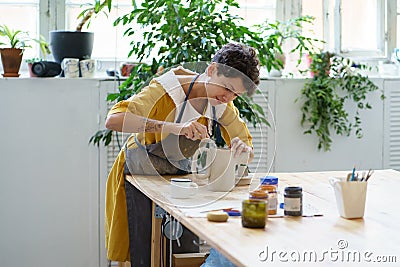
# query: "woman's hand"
{"type": "Point", "coordinates": [193, 130]}
{"type": "Point", "coordinates": [238, 147]}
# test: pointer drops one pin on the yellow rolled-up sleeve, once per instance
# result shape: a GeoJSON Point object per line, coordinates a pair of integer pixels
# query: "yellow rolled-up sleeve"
{"type": "Point", "coordinates": [143, 103]}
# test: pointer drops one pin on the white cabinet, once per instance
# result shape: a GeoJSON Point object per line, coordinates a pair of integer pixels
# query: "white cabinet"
{"type": "Point", "coordinates": [51, 181]}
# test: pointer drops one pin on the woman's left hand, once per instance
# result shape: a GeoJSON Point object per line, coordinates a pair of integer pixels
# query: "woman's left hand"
{"type": "Point", "coordinates": [238, 146]}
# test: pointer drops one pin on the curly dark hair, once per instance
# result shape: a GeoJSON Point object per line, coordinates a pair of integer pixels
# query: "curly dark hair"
{"type": "Point", "coordinates": [243, 59]}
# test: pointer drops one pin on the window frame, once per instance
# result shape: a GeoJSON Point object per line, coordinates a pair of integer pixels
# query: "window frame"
{"type": "Point", "coordinates": [386, 35]}
{"type": "Point", "coordinates": [381, 35]}
{"type": "Point", "coordinates": [47, 22]}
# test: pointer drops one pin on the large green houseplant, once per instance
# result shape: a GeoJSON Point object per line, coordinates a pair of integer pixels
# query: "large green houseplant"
{"type": "Point", "coordinates": [276, 34]}
{"type": "Point", "coordinates": [91, 10]}
{"type": "Point", "coordinates": [336, 81]}
{"type": "Point", "coordinates": [180, 32]}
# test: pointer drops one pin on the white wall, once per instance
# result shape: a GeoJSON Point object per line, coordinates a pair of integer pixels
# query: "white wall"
{"type": "Point", "coordinates": [298, 152]}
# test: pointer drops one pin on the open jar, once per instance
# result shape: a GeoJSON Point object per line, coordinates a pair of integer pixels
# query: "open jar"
{"type": "Point", "coordinates": [254, 213]}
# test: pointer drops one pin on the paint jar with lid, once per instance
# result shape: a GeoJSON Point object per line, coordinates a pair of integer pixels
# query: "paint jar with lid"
{"type": "Point", "coordinates": [254, 213]}
{"type": "Point", "coordinates": [293, 199]}
{"type": "Point", "coordinates": [272, 198]}
{"type": "Point", "coordinates": [260, 194]}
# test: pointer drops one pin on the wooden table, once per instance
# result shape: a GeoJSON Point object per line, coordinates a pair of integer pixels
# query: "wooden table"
{"type": "Point", "coordinates": [328, 239]}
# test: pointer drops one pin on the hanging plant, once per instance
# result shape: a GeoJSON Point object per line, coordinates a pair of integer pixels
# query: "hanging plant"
{"type": "Point", "coordinates": [335, 82]}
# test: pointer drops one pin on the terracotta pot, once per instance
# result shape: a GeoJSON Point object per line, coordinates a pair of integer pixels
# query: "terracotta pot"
{"type": "Point", "coordinates": [126, 68]}
{"type": "Point", "coordinates": [31, 74]}
{"type": "Point", "coordinates": [11, 59]}
{"type": "Point", "coordinates": [326, 64]}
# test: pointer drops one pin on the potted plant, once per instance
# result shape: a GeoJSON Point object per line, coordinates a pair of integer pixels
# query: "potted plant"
{"type": "Point", "coordinates": [76, 44]}
{"type": "Point", "coordinates": [335, 82]}
{"type": "Point", "coordinates": [277, 34]}
{"type": "Point", "coordinates": [16, 41]}
{"type": "Point", "coordinates": [44, 48]}
{"type": "Point", "coordinates": [30, 62]}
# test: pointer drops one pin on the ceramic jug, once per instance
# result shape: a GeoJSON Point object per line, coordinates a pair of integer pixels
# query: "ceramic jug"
{"type": "Point", "coordinates": [219, 167]}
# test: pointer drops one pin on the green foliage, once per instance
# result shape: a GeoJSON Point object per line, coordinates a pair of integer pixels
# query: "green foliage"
{"type": "Point", "coordinates": [13, 38]}
{"type": "Point", "coordinates": [44, 46]}
{"type": "Point", "coordinates": [101, 136]}
{"type": "Point", "coordinates": [276, 33]}
{"type": "Point", "coordinates": [185, 31]}
{"type": "Point", "coordinates": [20, 39]}
{"type": "Point", "coordinates": [33, 60]}
{"type": "Point", "coordinates": [336, 81]}
{"type": "Point", "coordinates": [91, 9]}
{"type": "Point", "coordinates": [250, 111]}
{"type": "Point", "coordinates": [178, 32]}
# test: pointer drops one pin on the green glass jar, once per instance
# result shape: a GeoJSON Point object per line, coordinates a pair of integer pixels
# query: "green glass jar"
{"type": "Point", "coordinates": [254, 213]}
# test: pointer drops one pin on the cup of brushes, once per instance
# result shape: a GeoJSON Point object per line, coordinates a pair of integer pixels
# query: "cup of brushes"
{"type": "Point", "coordinates": [351, 193]}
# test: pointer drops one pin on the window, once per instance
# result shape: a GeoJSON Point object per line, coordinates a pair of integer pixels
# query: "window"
{"type": "Point", "coordinates": [370, 31]}
{"type": "Point", "coordinates": [256, 11]}
{"type": "Point", "coordinates": [109, 42]}
{"type": "Point", "coordinates": [366, 28]}
{"type": "Point", "coordinates": [356, 28]}
{"type": "Point", "coordinates": [29, 10]}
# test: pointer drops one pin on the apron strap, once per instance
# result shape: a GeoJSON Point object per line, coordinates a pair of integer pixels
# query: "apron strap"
{"type": "Point", "coordinates": [178, 120]}
{"type": "Point", "coordinates": [216, 128]}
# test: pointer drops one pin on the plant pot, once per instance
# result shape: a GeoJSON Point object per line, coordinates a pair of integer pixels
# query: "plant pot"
{"type": "Point", "coordinates": [69, 44]}
{"type": "Point", "coordinates": [275, 72]}
{"type": "Point", "coordinates": [31, 74]}
{"type": "Point", "coordinates": [322, 62]}
{"type": "Point", "coordinates": [11, 59]}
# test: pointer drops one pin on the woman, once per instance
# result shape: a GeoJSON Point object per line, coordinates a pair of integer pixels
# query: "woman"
{"type": "Point", "coordinates": [178, 103]}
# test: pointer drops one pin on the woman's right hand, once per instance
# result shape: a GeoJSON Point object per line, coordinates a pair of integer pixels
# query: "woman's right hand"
{"type": "Point", "coordinates": [192, 130]}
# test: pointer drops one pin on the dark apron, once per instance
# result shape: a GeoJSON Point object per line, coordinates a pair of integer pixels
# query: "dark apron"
{"type": "Point", "coordinates": [169, 156]}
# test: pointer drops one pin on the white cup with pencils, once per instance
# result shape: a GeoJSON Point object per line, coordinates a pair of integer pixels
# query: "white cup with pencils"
{"type": "Point", "coordinates": [350, 196]}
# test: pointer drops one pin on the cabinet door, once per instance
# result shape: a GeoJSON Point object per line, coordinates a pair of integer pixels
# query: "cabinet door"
{"type": "Point", "coordinates": [391, 155]}
{"type": "Point", "coordinates": [49, 186]}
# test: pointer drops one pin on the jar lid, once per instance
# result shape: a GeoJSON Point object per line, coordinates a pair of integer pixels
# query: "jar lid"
{"type": "Point", "coordinates": [293, 189]}
{"type": "Point", "coordinates": [269, 180]}
{"type": "Point", "coordinates": [258, 194]}
{"type": "Point", "coordinates": [269, 187]}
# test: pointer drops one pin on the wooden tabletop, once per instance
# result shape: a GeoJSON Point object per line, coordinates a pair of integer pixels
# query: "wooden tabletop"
{"type": "Point", "coordinates": [327, 240]}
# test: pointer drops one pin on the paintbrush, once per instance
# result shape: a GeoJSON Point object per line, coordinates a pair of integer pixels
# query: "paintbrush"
{"type": "Point", "coordinates": [369, 174]}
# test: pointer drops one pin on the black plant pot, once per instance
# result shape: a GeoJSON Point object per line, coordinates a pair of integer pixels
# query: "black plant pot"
{"type": "Point", "coordinates": [68, 44]}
